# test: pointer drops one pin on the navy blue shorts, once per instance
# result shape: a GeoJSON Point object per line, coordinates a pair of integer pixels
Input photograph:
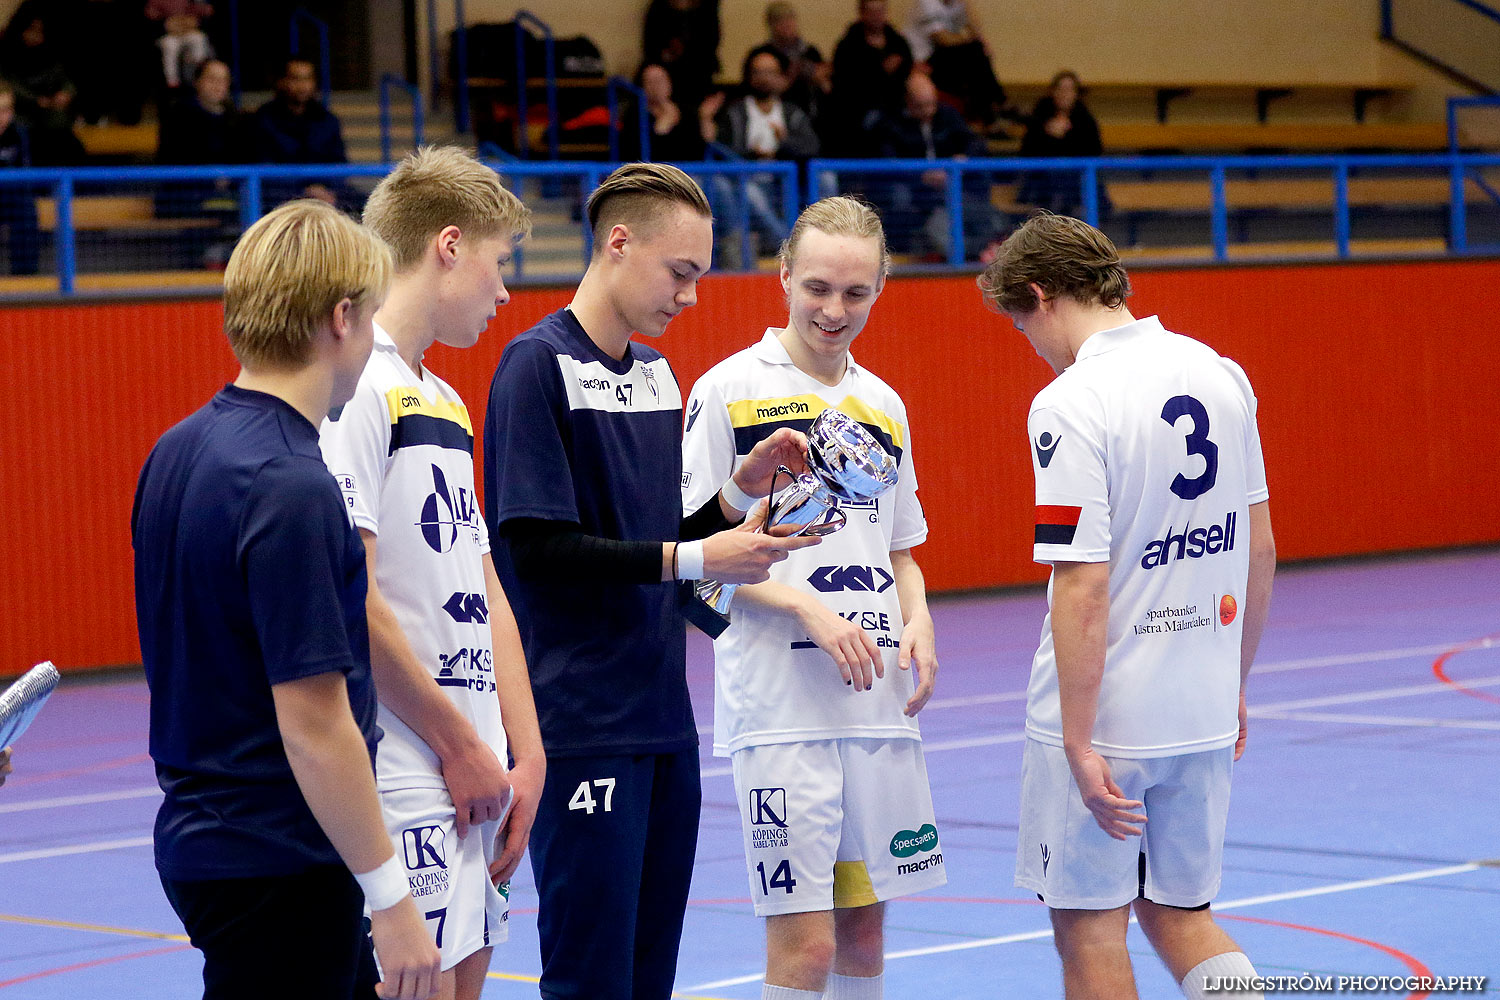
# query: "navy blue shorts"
{"type": "Point", "coordinates": [612, 851]}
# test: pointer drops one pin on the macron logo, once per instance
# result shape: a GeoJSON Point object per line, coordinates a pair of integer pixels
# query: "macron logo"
{"type": "Point", "coordinates": [1046, 446]}
{"type": "Point", "coordinates": [693, 413]}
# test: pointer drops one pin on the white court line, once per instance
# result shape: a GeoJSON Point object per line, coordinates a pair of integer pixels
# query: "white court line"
{"type": "Point", "coordinates": [79, 800]}
{"type": "Point", "coordinates": [1037, 935]}
{"type": "Point", "coordinates": [1343, 659]}
{"type": "Point", "coordinates": [57, 852]}
{"type": "Point", "coordinates": [1378, 694]}
{"type": "Point", "coordinates": [1381, 720]}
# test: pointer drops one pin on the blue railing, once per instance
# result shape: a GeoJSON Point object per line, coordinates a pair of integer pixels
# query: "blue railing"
{"type": "Point", "coordinates": [749, 198]}
{"type": "Point", "coordinates": [325, 62]}
{"type": "Point", "coordinates": [825, 178]}
{"type": "Point", "coordinates": [387, 82]}
{"type": "Point", "coordinates": [525, 19]}
{"type": "Point", "coordinates": [642, 116]}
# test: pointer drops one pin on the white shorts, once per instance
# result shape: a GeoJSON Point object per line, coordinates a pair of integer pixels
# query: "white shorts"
{"type": "Point", "coordinates": [449, 877]}
{"type": "Point", "coordinates": [836, 823]}
{"type": "Point", "coordinates": [1063, 856]}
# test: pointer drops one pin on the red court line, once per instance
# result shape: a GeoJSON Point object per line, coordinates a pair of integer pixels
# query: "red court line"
{"type": "Point", "coordinates": [30, 976]}
{"type": "Point", "coordinates": [1414, 964]}
{"type": "Point", "coordinates": [74, 772]}
{"type": "Point", "coordinates": [1439, 667]}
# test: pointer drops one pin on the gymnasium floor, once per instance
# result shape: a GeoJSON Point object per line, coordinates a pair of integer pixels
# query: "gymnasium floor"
{"type": "Point", "coordinates": [1363, 838]}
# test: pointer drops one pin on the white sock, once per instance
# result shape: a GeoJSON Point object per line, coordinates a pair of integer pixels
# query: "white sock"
{"type": "Point", "coordinates": [769, 992]}
{"type": "Point", "coordinates": [855, 987]}
{"type": "Point", "coordinates": [1219, 971]}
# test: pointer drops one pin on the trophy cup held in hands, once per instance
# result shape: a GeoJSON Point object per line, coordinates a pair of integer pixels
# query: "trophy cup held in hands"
{"type": "Point", "coordinates": [845, 464]}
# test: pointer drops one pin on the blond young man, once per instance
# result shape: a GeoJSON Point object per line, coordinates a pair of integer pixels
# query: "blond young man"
{"type": "Point", "coordinates": [821, 674]}
{"type": "Point", "coordinates": [1152, 510]}
{"type": "Point", "coordinates": [582, 462]}
{"type": "Point", "coordinates": [449, 671]}
{"type": "Point", "coordinates": [250, 599]}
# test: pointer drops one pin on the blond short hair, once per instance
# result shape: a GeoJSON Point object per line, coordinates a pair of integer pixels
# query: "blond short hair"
{"type": "Point", "coordinates": [286, 275]}
{"type": "Point", "coordinates": [636, 194]}
{"type": "Point", "coordinates": [436, 187]}
{"type": "Point", "coordinates": [838, 216]}
{"type": "Point", "coordinates": [1061, 255]}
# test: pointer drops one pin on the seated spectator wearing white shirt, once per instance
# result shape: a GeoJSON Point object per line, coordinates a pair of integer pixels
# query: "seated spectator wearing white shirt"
{"type": "Point", "coordinates": [947, 36]}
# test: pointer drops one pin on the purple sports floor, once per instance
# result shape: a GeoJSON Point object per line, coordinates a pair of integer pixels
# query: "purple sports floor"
{"type": "Point", "coordinates": [1363, 837]}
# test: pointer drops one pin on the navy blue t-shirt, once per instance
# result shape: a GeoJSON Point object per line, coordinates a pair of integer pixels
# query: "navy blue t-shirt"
{"type": "Point", "coordinates": [573, 435]}
{"type": "Point", "coordinates": [248, 573]}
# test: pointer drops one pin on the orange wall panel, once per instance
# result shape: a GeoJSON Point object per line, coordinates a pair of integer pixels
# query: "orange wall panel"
{"type": "Point", "coordinates": [1379, 415]}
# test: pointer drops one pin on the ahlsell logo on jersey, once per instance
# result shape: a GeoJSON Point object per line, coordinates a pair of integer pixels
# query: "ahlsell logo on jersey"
{"type": "Point", "coordinates": [1190, 543]}
{"type": "Point", "coordinates": [1046, 447]}
{"type": "Point", "coordinates": [446, 512]}
{"type": "Point", "coordinates": [768, 817]}
{"type": "Point", "coordinates": [907, 843]}
{"type": "Point", "coordinates": [1227, 610]}
{"type": "Point", "coordinates": [835, 579]}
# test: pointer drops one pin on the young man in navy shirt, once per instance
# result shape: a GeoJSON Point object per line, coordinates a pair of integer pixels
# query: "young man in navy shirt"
{"type": "Point", "coordinates": [250, 598]}
{"type": "Point", "coordinates": [582, 474]}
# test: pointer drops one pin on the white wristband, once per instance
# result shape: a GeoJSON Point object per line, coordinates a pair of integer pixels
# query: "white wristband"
{"type": "Point", "coordinates": [385, 886]}
{"type": "Point", "coordinates": [689, 560]}
{"type": "Point", "coordinates": [736, 497]}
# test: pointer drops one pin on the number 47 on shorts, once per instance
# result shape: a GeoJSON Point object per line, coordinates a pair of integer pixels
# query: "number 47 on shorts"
{"type": "Point", "coordinates": [583, 795]}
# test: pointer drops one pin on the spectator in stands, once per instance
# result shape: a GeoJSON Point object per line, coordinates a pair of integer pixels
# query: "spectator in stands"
{"type": "Point", "coordinates": [809, 75]}
{"type": "Point", "coordinates": [870, 66]}
{"type": "Point", "coordinates": [184, 46]}
{"type": "Point", "coordinates": [204, 128]}
{"type": "Point", "coordinates": [917, 213]}
{"type": "Point", "coordinates": [43, 92]}
{"type": "Point", "coordinates": [107, 53]}
{"type": "Point", "coordinates": [1059, 126]}
{"type": "Point", "coordinates": [17, 207]}
{"type": "Point", "coordinates": [295, 127]}
{"type": "Point", "coordinates": [675, 136]}
{"type": "Point", "coordinates": [946, 35]}
{"type": "Point", "coordinates": [683, 37]}
{"type": "Point", "coordinates": [761, 126]}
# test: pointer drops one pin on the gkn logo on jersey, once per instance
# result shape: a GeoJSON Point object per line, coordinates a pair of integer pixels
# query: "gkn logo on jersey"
{"type": "Point", "coordinates": [768, 818]}
{"type": "Point", "coordinates": [446, 512]}
{"type": "Point", "coordinates": [836, 579]}
{"type": "Point", "coordinates": [467, 609]}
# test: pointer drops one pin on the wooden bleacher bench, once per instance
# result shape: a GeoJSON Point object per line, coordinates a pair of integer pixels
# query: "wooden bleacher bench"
{"type": "Point", "coordinates": [1195, 196]}
{"type": "Point", "coordinates": [1263, 94]}
{"type": "Point", "coordinates": [1126, 137]}
{"type": "Point", "coordinates": [1427, 246]}
{"type": "Point", "coordinates": [98, 213]}
{"type": "Point", "coordinates": [119, 141]}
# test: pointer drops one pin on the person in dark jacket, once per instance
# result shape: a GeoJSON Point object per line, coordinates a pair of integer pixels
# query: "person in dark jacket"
{"type": "Point", "coordinates": [674, 130]}
{"type": "Point", "coordinates": [204, 127]}
{"type": "Point", "coordinates": [1059, 126]}
{"type": "Point", "coordinates": [870, 66]}
{"type": "Point", "coordinates": [17, 204]}
{"type": "Point", "coordinates": [295, 127]}
{"type": "Point", "coordinates": [683, 36]}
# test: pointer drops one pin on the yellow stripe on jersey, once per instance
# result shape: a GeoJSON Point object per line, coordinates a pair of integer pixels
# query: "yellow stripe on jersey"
{"type": "Point", "coordinates": [782, 409]}
{"type": "Point", "coordinates": [402, 402]}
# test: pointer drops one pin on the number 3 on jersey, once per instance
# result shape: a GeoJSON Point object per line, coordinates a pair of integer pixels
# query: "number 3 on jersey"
{"type": "Point", "coordinates": [1197, 444]}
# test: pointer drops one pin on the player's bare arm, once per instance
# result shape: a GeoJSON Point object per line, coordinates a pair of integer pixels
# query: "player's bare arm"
{"type": "Point", "coordinates": [1257, 602]}
{"type": "Point", "coordinates": [4, 764]}
{"type": "Point", "coordinates": [850, 647]}
{"type": "Point", "coordinates": [918, 638]}
{"type": "Point", "coordinates": [329, 760]}
{"type": "Point", "coordinates": [475, 777]}
{"type": "Point", "coordinates": [1080, 626]}
{"type": "Point", "coordinates": [522, 733]}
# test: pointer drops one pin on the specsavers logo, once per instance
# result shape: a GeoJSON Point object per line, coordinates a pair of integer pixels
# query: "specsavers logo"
{"type": "Point", "coordinates": [907, 843]}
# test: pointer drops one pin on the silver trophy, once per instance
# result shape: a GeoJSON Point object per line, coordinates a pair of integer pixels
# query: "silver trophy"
{"type": "Point", "coordinates": [845, 464]}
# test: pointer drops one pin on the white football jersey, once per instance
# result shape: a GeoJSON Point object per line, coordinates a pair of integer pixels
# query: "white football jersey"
{"type": "Point", "coordinates": [402, 451]}
{"type": "Point", "coordinates": [772, 684]}
{"type": "Point", "coordinates": [1147, 456]}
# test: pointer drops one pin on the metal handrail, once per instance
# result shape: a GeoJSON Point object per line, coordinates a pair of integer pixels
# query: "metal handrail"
{"type": "Point", "coordinates": [612, 89]}
{"type": "Point", "coordinates": [523, 138]}
{"type": "Point", "coordinates": [325, 61]}
{"type": "Point", "coordinates": [388, 81]}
